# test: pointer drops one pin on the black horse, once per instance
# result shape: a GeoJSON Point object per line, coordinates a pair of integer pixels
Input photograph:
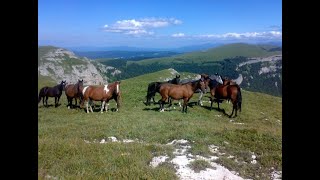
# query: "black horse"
{"type": "Point", "coordinates": [154, 87]}
{"type": "Point", "coordinates": [55, 92]}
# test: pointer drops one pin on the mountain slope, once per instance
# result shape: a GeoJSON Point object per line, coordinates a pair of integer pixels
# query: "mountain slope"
{"type": "Point", "coordinates": [217, 54]}
{"type": "Point", "coordinates": [60, 64]}
{"type": "Point", "coordinates": [75, 145]}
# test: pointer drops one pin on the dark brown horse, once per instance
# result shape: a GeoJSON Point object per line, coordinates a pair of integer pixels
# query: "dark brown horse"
{"type": "Point", "coordinates": [102, 93]}
{"type": "Point", "coordinates": [207, 79]}
{"type": "Point", "coordinates": [74, 91]}
{"type": "Point", "coordinates": [180, 91]}
{"type": "Point", "coordinates": [226, 92]}
{"type": "Point", "coordinates": [153, 88]}
{"type": "Point", "coordinates": [55, 92]}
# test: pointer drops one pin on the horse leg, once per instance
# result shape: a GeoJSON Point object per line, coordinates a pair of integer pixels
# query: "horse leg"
{"type": "Point", "coordinates": [184, 109]}
{"type": "Point", "coordinates": [211, 102]}
{"type": "Point", "coordinates": [106, 106]}
{"type": "Point", "coordinates": [68, 101]}
{"type": "Point", "coordinates": [75, 99]}
{"type": "Point", "coordinates": [161, 104]}
{"type": "Point", "coordinates": [87, 104]}
{"type": "Point", "coordinates": [102, 106]}
{"type": "Point", "coordinates": [91, 106]}
{"type": "Point", "coordinates": [46, 101]}
{"type": "Point", "coordinates": [43, 101]}
{"type": "Point", "coordinates": [118, 103]}
{"type": "Point", "coordinates": [199, 100]}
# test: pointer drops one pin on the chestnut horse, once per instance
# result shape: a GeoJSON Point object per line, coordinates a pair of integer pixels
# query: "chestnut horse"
{"type": "Point", "coordinates": [228, 92]}
{"type": "Point", "coordinates": [102, 93]}
{"type": "Point", "coordinates": [153, 88]}
{"type": "Point", "coordinates": [55, 92]}
{"type": "Point", "coordinates": [180, 91]}
{"type": "Point", "coordinates": [74, 91]}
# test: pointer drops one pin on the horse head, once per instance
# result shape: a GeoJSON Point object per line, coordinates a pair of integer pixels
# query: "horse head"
{"type": "Point", "coordinates": [62, 85]}
{"type": "Point", "coordinates": [202, 85]}
{"type": "Point", "coordinates": [175, 80]}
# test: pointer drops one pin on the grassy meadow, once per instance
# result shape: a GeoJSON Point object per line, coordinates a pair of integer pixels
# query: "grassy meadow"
{"type": "Point", "coordinates": [64, 154]}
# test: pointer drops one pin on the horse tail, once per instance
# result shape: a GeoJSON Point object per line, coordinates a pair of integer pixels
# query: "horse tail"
{"type": "Point", "coordinates": [42, 93]}
{"type": "Point", "coordinates": [239, 98]}
{"type": "Point", "coordinates": [151, 91]}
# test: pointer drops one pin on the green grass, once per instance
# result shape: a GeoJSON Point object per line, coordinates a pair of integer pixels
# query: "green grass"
{"type": "Point", "coordinates": [64, 154]}
{"type": "Point", "coordinates": [215, 54]}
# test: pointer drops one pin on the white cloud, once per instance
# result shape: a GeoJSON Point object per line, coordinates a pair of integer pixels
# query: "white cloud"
{"type": "Point", "coordinates": [178, 35]}
{"type": "Point", "coordinates": [141, 26]}
{"type": "Point", "coordinates": [247, 35]}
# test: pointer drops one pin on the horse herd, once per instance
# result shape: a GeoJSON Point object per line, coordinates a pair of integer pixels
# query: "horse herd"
{"type": "Point", "coordinates": [175, 89]}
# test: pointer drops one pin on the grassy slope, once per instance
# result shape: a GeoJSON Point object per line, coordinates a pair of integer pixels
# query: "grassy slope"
{"type": "Point", "coordinates": [216, 54]}
{"type": "Point", "coordinates": [64, 154]}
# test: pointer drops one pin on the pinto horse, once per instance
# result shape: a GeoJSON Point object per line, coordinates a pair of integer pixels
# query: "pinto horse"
{"type": "Point", "coordinates": [229, 92]}
{"type": "Point", "coordinates": [102, 93]}
{"type": "Point", "coordinates": [180, 91]}
{"type": "Point", "coordinates": [153, 88]}
{"type": "Point", "coordinates": [55, 92]}
{"type": "Point", "coordinates": [74, 91]}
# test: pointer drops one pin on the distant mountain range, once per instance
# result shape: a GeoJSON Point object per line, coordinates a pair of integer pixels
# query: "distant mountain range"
{"type": "Point", "coordinates": [183, 49]}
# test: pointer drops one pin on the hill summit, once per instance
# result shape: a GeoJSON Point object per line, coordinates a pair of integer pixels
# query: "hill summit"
{"type": "Point", "coordinates": [61, 64]}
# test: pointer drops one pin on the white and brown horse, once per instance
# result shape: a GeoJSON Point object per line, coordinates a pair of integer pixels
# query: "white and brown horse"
{"type": "Point", "coordinates": [102, 93]}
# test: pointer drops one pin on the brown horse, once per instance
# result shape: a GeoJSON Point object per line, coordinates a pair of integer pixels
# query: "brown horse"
{"type": "Point", "coordinates": [102, 93]}
{"type": "Point", "coordinates": [55, 92]}
{"type": "Point", "coordinates": [74, 91]}
{"type": "Point", "coordinates": [228, 92]}
{"type": "Point", "coordinates": [180, 91]}
{"type": "Point", "coordinates": [153, 88]}
{"type": "Point", "coordinates": [207, 80]}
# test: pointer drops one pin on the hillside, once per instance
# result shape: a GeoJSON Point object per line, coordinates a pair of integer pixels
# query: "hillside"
{"type": "Point", "coordinates": [60, 64]}
{"type": "Point", "coordinates": [217, 54]}
{"type": "Point", "coordinates": [130, 143]}
{"type": "Point", "coordinates": [260, 65]}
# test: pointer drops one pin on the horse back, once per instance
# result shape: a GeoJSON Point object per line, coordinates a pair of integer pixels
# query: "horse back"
{"type": "Point", "coordinates": [175, 91]}
{"type": "Point", "coordinates": [43, 91]}
{"type": "Point", "coordinates": [221, 92]}
{"type": "Point", "coordinates": [98, 93]}
{"type": "Point", "coordinates": [233, 90]}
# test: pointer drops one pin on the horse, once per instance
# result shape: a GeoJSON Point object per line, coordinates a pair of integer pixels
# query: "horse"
{"type": "Point", "coordinates": [55, 92]}
{"type": "Point", "coordinates": [227, 81]}
{"type": "Point", "coordinates": [228, 92]}
{"type": "Point", "coordinates": [74, 91]}
{"type": "Point", "coordinates": [153, 88]}
{"type": "Point", "coordinates": [207, 78]}
{"type": "Point", "coordinates": [102, 93]}
{"type": "Point", "coordinates": [179, 91]}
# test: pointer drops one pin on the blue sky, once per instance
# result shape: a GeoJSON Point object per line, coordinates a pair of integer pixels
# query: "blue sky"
{"type": "Point", "coordinates": [157, 23]}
